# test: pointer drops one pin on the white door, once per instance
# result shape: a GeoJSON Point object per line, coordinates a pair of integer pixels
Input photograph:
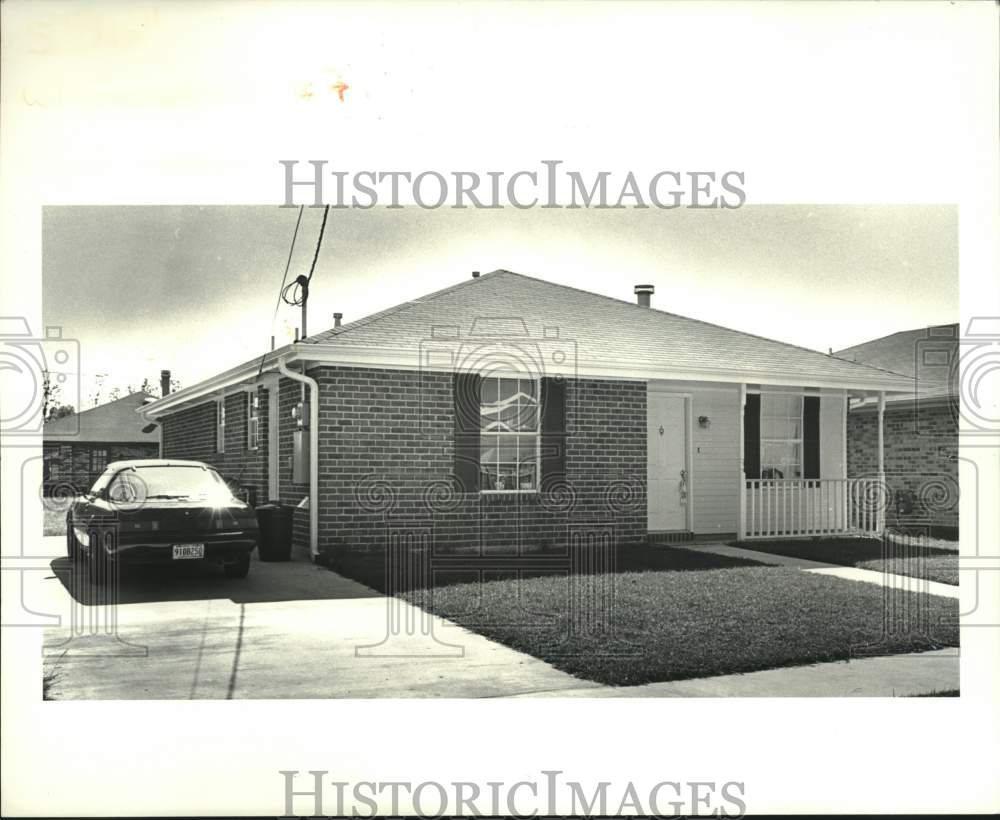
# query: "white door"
{"type": "Point", "coordinates": [666, 473]}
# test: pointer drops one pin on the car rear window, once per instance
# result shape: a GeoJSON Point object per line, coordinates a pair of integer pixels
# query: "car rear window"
{"type": "Point", "coordinates": [169, 482]}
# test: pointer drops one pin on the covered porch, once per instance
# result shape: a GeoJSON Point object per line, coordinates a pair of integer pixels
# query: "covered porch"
{"type": "Point", "coordinates": [783, 492]}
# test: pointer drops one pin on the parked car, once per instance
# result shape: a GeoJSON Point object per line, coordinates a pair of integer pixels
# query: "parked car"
{"type": "Point", "coordinates": [160, 511]}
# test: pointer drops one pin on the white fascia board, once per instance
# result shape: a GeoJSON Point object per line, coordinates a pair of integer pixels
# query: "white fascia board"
{"type": "Point", "coordinates": [402, 359]}
{"type": "Point", "coordinates": [210, 389]}
{"type": "Point", "coordinates": [410, 359]}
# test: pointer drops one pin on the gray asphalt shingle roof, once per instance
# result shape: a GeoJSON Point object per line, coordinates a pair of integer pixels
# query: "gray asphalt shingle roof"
{"type": "Point", "coordinates": [602, 328]}
{"type": "Point", "coordinates": [113, 423]}
{"type": "Point", "coordinates": [915, 352]}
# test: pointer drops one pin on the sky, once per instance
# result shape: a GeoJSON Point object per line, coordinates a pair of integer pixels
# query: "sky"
{"type": "Point", "coordinates": [193, 289]}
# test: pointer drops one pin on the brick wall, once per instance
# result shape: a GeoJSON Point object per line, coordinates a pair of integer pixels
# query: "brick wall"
{"type": "Point", "coordinates": [921, 452]}
{"type": "Point", "coordinates": [191, 434]}
{"type": "Point", "coordinates": [387, 457]}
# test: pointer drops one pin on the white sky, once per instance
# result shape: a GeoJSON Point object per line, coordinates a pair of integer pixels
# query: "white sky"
{"type": "Point", "coordinates": [193, 288]}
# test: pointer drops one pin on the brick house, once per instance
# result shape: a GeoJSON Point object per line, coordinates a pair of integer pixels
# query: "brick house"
{"type": "Point", "coordinates": [921, 427]}
{"type": "Point", "coordinates": [508, 413]}
{"type": "Point", "coordinates": [77, 448]}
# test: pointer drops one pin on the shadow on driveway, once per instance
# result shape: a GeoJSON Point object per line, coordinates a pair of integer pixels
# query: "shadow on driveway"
{"type": "Point", "coordinates": [296, 580]}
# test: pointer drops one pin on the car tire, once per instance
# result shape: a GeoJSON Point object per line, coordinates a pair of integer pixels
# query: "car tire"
{"type": "Point", "coordinates": [238, 568]}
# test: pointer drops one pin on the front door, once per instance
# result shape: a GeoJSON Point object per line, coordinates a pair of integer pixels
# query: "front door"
{"type": "Point", "coordinates": [666, 478]}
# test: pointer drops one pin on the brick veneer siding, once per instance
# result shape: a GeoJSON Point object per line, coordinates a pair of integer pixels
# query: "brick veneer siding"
{"type": "Point", "coordinates": [191, 434]}
{"type": "Point", "coordinates": [387, 458]}
{"type": "Point", "coordinates": [921, 457]}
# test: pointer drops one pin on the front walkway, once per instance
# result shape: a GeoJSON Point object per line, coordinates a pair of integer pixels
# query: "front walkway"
{"type": "Point", "coordinates": [868, 576]}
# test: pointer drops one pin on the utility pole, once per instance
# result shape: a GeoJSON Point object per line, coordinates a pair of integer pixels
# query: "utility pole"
{"type": "Point", "coordinates": [304, 283]}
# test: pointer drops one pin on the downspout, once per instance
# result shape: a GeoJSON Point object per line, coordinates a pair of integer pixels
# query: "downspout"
{"type": "Point", "coordinates": [302, 378]}
{"type": "Point", "coordinates": [144, 415]}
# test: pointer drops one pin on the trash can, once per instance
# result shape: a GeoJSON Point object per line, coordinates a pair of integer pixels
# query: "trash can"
{"type": "Point", "coordinates": [275, 522]}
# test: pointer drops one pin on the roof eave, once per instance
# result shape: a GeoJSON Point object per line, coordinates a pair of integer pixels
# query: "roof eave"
{"type": "Point", "coordinates": [409, 359]}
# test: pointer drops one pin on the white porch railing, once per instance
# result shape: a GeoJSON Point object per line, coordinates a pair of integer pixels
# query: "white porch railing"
{"type": "Point", "coordinates": [793, 508]}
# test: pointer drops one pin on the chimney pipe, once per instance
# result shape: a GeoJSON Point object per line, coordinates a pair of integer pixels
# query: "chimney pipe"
{"type": "Point", "coordinates": [643, 292]}
{"type": "Point", "coordinates": [336, 319]}
{"type": "Point", "coordinates": [475, 274]}
{"type": "Point", "coordinates": [164, 383]}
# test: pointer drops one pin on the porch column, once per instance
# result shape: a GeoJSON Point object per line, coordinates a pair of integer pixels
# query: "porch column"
{"type": "Point", "coordinates": [742, 532]}
{"type": "Point", "coordinates": [883, 493]}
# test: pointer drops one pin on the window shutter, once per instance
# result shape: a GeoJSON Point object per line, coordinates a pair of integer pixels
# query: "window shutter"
{"type": "Point", "coordinates": [466, 404]}
{"type": "Point", "coordinates": [810, 437]}
{"type": "Point", "coordinates": [751, 436]}
{"type": "Point", "coordinates": [553, 432]}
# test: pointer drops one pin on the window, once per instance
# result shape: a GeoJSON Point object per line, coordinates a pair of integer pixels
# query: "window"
{"type": "Point", "coordinates": [51, 462]}
{"type": "Point", "coordinates": [253, 420]}
{"type": "Point", "coordinates": [98, 461]}
{"type": "Point", "coordinates": [509, 421]}
{"type": "Point", "coordinates": [220, 426]}
{"type": "Point", "coordinates": [174, 482]}
{"type": "Point", "coordinates": [780, 435]}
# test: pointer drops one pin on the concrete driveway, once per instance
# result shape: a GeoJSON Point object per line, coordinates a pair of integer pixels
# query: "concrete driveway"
{"type": "Point", "coordinates": [289, 630]}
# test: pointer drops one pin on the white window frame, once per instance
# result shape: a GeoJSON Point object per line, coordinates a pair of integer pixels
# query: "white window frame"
{"type": "Point", "coordinates": [103, 466]}
{"type": "Point", "coordinates": [220, 425]}
{"type": "Point", "coordinates": [253, 420]}
{"type": "Point", "coordinates": [537, 433]}
{"type": "Point", "coordinates": [762, 440]}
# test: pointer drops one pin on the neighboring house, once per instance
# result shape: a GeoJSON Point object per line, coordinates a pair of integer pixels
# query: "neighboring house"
{"type": "Point", "coordinates": [921, 426]}
{"type": "Point", "coordinates": [507, 412]}
{"type": "Point", "coordinates": [77, 448]}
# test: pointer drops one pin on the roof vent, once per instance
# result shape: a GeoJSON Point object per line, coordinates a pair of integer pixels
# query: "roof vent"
{"type": "Point", "coordinates": [643, 292]}
{"type": "Point", "coordinates": [336, 319]}
{"type": "Point", "coordinates": [475, 274]}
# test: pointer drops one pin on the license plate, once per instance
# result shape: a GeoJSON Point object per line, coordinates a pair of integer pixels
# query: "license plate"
{"type": "Point", "coordinates": [188, 551]}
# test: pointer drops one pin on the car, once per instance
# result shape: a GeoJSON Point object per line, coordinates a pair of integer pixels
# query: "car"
{"type": "Point", "coordinates": [160, 511]}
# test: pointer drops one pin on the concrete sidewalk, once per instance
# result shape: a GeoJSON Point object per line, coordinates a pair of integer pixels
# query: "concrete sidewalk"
{"type": "Point", "coordinates": [881, 677]}
{"type": "Point", "coordinates": [868, 576]}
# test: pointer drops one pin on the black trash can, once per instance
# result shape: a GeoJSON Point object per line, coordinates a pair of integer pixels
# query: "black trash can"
{"type": "Point", "coordinates": [275, 522]}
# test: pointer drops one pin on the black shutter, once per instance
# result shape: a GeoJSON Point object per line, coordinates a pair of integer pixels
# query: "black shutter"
{"type": "Point", "coordinates": [751, 436]}
{"type": "Point", "coordinates": [810, 437]}
{"type": "Point", "coordinates": [553, 432]}
{"type": "Point", "coordinates": [466, 402]}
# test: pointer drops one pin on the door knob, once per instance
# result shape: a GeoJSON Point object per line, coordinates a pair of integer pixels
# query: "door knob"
{"type": "Point", "coordinates": [661, 429]}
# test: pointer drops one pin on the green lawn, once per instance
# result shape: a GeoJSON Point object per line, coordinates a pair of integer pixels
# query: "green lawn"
{"type": "Point", "coordinates": [674, 625]}
{"type": "Point", "coordinates": [459, 568]}
{"type": "Point", "coordinates": [869, 553]}
{"type": "Point", "coordinates": [943, 569]}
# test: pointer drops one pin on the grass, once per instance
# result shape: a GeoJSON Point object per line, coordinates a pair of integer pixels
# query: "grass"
{"type": "Point", "coordinates": [676, 625]}
{"type": "Point", "coordinates": [54, 520]}
{"type": "Point", "coordinates": [943, 569]}
{"type": "Point", "coordinates": [913, 560]}
{"type": "Point", "coordinates": [458, 568]}
{"type": "Point", "coordinates": [674, 613]}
